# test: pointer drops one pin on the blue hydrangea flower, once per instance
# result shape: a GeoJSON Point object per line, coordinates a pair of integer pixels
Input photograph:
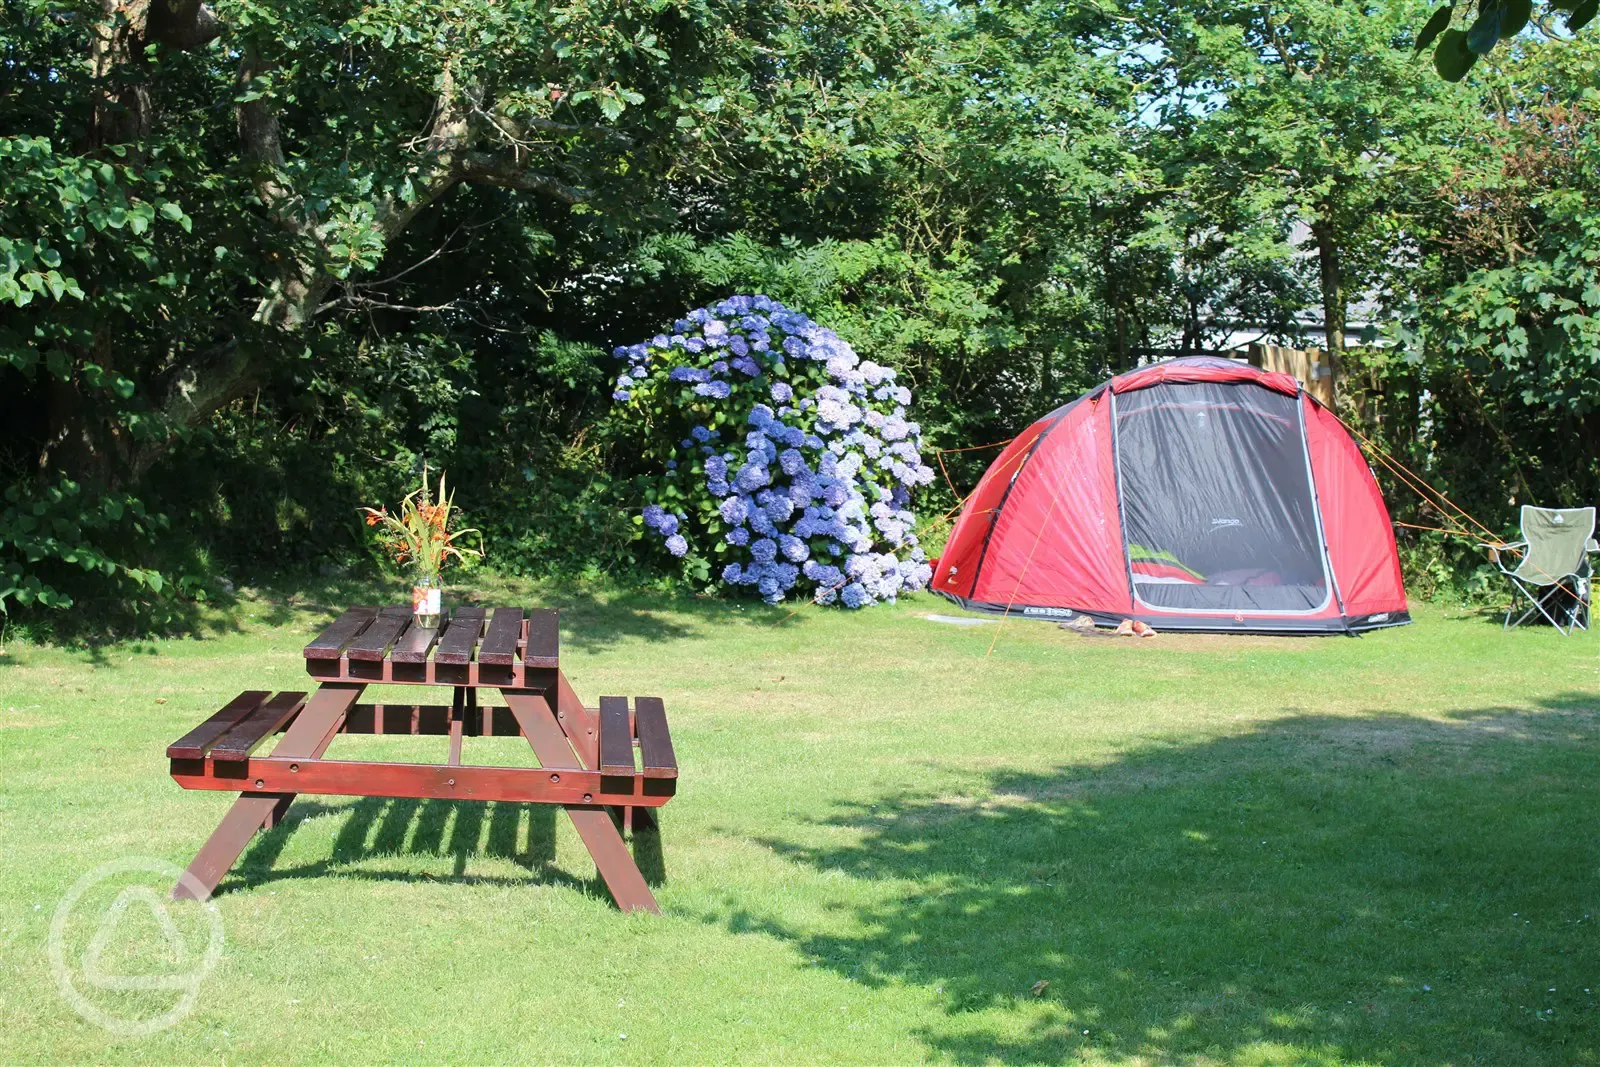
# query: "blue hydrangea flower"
{"type": "Point", "coordinates": [793, 548]}
{"type": "Point", "coordinates": [797, 493]}
{"type": "Point", "coordinates": [752, 477]}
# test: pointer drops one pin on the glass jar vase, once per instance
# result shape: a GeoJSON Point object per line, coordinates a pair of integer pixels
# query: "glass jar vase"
{"type": "Point", "coordinates": [426, 598]}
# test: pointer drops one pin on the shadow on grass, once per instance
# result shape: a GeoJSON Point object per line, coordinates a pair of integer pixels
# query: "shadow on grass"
{"type": "Point", "coordinates": [377, 827]}
{"type": "Point", "coordinates": [594, 616]}
{"type": "Point", "coordinates": [1321, 890]}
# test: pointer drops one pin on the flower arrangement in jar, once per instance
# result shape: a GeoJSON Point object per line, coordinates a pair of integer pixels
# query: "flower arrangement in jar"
{"type": "Point", "coordinates": [423, 537]}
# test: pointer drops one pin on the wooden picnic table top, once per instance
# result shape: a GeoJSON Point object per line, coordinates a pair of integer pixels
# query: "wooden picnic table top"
{"type": "Point", "coordinates": [473, 646]}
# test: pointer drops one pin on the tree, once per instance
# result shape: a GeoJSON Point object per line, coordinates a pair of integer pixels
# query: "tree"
{"type": "Point", "coordinates": [1313, 115]}
{"type": "Point", "coordinates": [286, 148]}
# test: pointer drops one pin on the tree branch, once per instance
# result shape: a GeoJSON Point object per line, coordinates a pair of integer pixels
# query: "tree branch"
{"type": "Point", "coordinates": [356, 300]}
{"type": "Point", "coordinates": [181, 24]}
{"type": "Point", "coordinates": [519, 130]}
{"type": "Point", "coordinates": [508, 171]}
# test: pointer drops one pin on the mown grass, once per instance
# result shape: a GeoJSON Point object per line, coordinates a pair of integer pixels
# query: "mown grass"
{"type": "Point", "coordinates": [1213, 850]}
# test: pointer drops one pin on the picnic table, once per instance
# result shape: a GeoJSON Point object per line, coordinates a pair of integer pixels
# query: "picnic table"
{"type": "Point", "coordinates": [586, 756]}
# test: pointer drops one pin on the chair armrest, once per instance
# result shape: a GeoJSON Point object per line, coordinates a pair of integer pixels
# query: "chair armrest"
{"type": "Point", "coordinates": [1496, 547]}
{"type": "Point", "coordinates": [1591, 545]}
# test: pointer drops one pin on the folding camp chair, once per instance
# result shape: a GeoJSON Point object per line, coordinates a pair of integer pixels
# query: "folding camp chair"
{"type": "Point", "coordinates": [1554, 570]}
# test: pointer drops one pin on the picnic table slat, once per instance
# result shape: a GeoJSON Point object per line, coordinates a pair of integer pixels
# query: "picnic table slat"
{"type": "Point", "coordinates": [543, 647]}
{"type": "Point", "coordinates": [256, 727]}
{"type": "Point", "coordinates": [373, 643]}
{"type": "Point", "coordinates": [331, 641]}
{"type": "Point", "coordinates": [460, 637]}
{"type": "Point", "coordinates": [584, 791]}
{"type": "Point", "coordinates": [655, 741]}
{"type": "Point", "coordinates": [499, 646]}
{"type": "Point", "coordinates": [415, 644]}
{"type": "Point", "coordinates": [616, 740]}
{"type": "Point", "coordinates": [193, 744]}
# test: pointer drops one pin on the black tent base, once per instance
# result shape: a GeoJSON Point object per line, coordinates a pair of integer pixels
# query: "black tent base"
{"type": "Point", "coordinates": [1210, 624]}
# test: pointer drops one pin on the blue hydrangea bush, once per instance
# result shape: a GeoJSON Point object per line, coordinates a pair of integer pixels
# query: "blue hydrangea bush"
{"type": "Point", "coordinates": [787, 462]}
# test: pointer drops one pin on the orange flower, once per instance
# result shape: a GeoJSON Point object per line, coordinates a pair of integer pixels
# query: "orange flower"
{"type": "Point", "coordinates": [420, 533]}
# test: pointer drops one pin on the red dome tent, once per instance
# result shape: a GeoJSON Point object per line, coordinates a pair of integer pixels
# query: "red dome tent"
{"type": "Point", "coordinates": [1195, 494]}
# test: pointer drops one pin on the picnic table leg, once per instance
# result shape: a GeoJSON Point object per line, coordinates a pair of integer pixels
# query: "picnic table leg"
{"type": "Point", "coordinates": [309, 735]}
{"type": "Point", "coordinates": [458, 716]}
{"type": "Point", "coordinates": [576, 721]}
{"type": "Point", "coordinates": [611, 857]}
{"type": "Point", "coordinates": [584, 733]}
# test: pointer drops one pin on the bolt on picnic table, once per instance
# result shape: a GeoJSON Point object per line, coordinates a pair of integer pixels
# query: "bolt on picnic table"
{"type": "Point", "coordinates": [586, 755]}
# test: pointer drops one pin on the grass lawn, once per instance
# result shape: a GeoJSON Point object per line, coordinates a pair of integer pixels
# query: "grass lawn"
{"type": "Point", "coordinates": [1213, 850]}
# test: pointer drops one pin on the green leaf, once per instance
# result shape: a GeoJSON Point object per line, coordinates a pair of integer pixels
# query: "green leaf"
{"type": "Point", "coordinates": [56, 283]}
{"type": "Point", "coordinates": [1518, 12]}
{"type": "Point", "coordinates": [1484, 33]}
{"type": "Point", "coordinates": [611, 106]}
{"type": "Point", "coordinates": [1451, 58]}
{"type": "Point", "coordinates": [1437, 24]}
{"type": "Point", "coordinates": [171, 211]}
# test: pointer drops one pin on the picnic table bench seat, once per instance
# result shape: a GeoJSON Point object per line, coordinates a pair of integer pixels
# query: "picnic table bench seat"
{"type": "Point", "coordinates": [638, 767]}
{"type": "Point", "coordinates": [608, 765]}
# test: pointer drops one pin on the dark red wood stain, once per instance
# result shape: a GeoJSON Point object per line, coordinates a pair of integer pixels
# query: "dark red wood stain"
{"type": "Point", "coordinates": [586, 756]}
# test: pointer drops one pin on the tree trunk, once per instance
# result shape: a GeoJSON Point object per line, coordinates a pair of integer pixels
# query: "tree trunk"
{"type": "Point", "coordinates": [124, 107]}
{"type": "Point", "coordinates": [1332, 287]}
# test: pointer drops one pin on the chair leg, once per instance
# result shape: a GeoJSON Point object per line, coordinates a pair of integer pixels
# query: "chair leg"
{"type": "Point", "coordinates": [1527, 595]}
{"type": "Point", "coordinates": [1538, 599]}
{"type": "Point", "coordinates": [1552, 618]}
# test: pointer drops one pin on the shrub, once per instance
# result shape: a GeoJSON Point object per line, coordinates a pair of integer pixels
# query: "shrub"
{"type": "Point", "coordinates": [786, 462]}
